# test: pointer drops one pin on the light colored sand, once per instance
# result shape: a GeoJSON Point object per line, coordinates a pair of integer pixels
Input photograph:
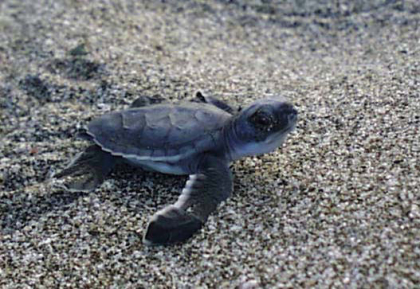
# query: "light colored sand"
{"type": "Point", "coordinates": [338, 205]}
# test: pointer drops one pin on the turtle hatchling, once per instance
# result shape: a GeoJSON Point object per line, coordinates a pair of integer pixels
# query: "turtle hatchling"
{"type": "Point", "coordinates": [199, 138]}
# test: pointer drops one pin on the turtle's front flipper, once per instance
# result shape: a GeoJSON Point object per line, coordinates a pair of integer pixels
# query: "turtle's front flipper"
{"type": "Point", "coordinates": [146, 101]}
{"type": "Point", "coordinates": [88, 169]}
{"type": "Point", "coordinates": [201, 195]}
{"type": "Point", "coordinates": [199, 97]}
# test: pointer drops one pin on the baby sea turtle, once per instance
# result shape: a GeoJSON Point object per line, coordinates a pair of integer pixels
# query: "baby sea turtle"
{"type": "Point", "coordinates": [198, 139]}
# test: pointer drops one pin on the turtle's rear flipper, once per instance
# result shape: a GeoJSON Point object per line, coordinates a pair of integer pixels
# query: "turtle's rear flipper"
{"type": "Point", "coordinates": [200, 197]}
{"type": "Point", "coordinates": [88, 170]}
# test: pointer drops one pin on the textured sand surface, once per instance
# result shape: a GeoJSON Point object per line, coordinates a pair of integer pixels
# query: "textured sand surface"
{"type": "Point", "coordinates": [338, 205]}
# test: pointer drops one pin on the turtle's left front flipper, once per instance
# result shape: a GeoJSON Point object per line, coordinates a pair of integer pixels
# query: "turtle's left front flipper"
{"type": "Point", "coordinates": [202, 194]}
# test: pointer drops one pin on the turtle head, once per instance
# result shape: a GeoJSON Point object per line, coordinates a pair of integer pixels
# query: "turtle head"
{"type": "Point", "coordinates": [262, 127]}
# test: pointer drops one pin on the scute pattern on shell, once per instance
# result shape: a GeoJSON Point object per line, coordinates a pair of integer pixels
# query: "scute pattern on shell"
{"type": "Point", "coordinates": [159, 131]}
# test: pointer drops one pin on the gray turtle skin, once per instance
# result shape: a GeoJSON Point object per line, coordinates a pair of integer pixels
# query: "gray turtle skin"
{"type": "Point", "coordinates": [199, 139]}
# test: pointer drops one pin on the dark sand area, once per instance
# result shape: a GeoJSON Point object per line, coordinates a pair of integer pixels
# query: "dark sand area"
{"type": "Point", "coordinates": [338, 205]}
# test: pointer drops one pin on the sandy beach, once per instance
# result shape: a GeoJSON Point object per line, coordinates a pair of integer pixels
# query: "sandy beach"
{"type": "Point", "coordinates": [337, 206]}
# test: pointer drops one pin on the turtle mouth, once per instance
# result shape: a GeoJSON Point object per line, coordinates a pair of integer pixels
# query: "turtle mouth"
{"type": "Point", "coordinates": [287, 120]}
{"type": "Point", "coordinates": [280, 135]}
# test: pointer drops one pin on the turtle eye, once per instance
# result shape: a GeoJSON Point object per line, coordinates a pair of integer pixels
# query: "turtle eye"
{"type": "Point", "coordinates": [262, 119]}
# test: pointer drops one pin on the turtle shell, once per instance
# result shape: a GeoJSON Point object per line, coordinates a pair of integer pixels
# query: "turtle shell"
{"type": "Point", "coordinates": [163, 132]}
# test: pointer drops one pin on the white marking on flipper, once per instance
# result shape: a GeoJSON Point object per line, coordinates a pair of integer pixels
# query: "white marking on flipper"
{"type": "Point", "coordinates": [182, 201]}
{"type": "Point", "coordinates": [160, 213]}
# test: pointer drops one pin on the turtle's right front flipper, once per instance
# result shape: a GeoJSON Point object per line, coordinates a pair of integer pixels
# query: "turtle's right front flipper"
{"type": "Point", "coordinates": [88, 169]}
{"type": "Point", "coordinates": [202, 194]}
{"type": "Point", "coordinates": [144, 100]}
{"type": "Point", "coordinates": [199, 97]}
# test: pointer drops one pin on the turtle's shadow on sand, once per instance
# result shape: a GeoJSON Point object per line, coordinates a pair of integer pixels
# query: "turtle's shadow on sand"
{"type": "Point", "coordinates": [136, 184]}
{"type": "Point", "coordinates": [18, 211]}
